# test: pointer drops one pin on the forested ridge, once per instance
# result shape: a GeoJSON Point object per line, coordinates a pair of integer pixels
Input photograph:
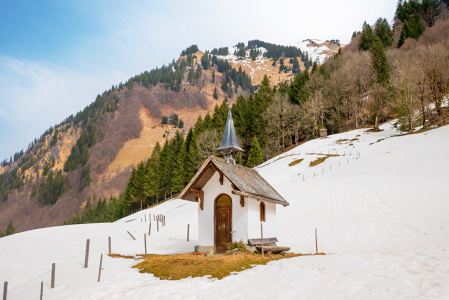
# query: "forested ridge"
{"type": "Point", "coordinates": [387, 71]}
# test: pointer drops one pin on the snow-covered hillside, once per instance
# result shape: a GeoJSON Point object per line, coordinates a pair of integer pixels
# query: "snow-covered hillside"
{"type": "Point", "coordinates": [318, 50]}
{"type": "Point", "coordinates": [382, 218]}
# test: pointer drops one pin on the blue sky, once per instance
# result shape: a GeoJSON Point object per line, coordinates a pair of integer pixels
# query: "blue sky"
{"type": "Point", "coordinates": [56, 56]}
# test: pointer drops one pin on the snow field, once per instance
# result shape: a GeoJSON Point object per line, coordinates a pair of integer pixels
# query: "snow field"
{"type": "Point", "coordinates": [382, 220]}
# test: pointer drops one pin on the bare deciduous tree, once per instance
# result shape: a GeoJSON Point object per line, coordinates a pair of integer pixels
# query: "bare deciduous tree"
{"type": "Point", "coordinates": [207, 143]}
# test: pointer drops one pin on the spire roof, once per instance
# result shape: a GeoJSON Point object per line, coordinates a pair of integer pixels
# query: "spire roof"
{"type": "Point", "coordinates": [229, 137]}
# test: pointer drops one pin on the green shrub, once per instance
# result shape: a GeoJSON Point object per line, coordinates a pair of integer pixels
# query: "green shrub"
{"type": "Point", "coordinates": [239, 246]}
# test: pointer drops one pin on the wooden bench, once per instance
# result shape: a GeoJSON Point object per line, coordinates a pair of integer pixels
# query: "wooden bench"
{"type": "Point", "coordinates": [269, 245]}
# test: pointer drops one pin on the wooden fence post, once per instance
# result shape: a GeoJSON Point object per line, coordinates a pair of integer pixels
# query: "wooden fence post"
{"type": "Point", "coordinates": [188, 229]}
{"type": "Point", "coordinates": [99, 271]}
{"type": "Point", "coordinates": [86, 258]}
{"type": "Point", "coordinates": [5, 290]}
{"type": "Point", "coordinates": [316, 242]}
{"type": "Point", "coordinates": [109, 245]}
{"type": "Point", "coordinates": [145, 241]}
{"type": "Point", "coordinates": [157, 225]}
{"type": "Point", "coordinates": [42, 290]}
{"type": "Point", "coordinates": [131, 235]}
{"type": "Point", "coordinates": [261, 237]}
{"type": "Point", "coordinates": [53, 270]}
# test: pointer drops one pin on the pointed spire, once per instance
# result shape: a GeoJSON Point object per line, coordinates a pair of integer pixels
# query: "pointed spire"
{"type": "Point", "coordinates": [230, 145]}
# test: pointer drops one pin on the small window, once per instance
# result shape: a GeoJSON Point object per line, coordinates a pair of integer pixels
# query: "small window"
{"type": "Point", "coordinates": [262, 211]}
{"type": "Point", "coordinates": [224, 200]}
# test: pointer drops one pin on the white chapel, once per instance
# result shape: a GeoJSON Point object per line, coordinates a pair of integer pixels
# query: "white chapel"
{"type": "Point", "coordinates": [233, 200]}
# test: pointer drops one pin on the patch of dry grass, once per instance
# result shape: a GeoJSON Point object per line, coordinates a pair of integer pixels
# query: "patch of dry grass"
{"type": "Point", "coordinates": [121, 256]}
{"type": "Point", "coordinates": [317, 161]}
{"type": "Point", "coordinates": [179, 266]}
{"type": "Point", "coordinates": [295, 162]}
{"type": "Point", "coordinates": [354, 139]}
{"type": "Point", "coordinates": [322, 159]}
{"type": "Point", "coordinates": [372, 130]}
{"type": "Point", "coordinates": [341, 141]}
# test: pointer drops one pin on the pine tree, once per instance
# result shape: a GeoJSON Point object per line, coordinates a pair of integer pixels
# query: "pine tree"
{"type": "Point", "coordinates": [213, 76]}
{"type": "Point", "coordinates": [153, 170]}
{"type": "Point", "coordinates": [215, 94]}
{"type": "Point", "coordinates": [367, 37]}
{"type": "Point", "coordinates": [380, 63]}
{"type": "Point", "coordinates": [224, 86]}
{"type": "Point", "coordinates": [10, 229]}
{"type": "Point", "coordinates": [255, 154]}
{"type": "Point", "coordinates": [139, 184]}
{"type": "Point", "coordinates": [382, 75]}
{"type": "Point", "coordinates": [383, 31]}
{"type": "Point", "coordinates": [179, 176]}
{"type": "Point", "coordinates": [164, 170]}
{"type": "Point", "coordinates": [295, 66]}
{"type": "Point", "coordinates": [404, 34]}
{"type": "Point", "coordinates": [298, 92]}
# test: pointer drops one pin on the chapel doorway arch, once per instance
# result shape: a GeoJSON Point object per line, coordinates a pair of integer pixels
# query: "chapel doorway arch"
{"type": "Point", "coordinates": [223, 222]}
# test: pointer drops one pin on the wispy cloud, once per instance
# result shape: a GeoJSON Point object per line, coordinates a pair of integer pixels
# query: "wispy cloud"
{"type": "Point", "coordinates": [35, 96]}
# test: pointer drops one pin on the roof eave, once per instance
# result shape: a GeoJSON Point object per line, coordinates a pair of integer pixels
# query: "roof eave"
{"type": "Point", "coordinates": [260, 197]}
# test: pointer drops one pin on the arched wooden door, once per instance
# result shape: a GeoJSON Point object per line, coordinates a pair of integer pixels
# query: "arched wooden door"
{"type": "Point", "coordinates": [223, 222]}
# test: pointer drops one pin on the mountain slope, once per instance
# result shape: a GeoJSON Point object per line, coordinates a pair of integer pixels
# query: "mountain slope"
{"type": "Point", "coordinates": [125, 124]}
{"type": "Point", "coordinates": [381, 218]}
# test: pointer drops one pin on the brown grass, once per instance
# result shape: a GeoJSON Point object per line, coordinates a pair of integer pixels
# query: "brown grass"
{"type": "Point", "coordinates": [121, 256]}
{"type": "Point", "coordinates": [294, 163]}
{"type": "Point", "coordinates": [342, 140]}
{"type": "Point", "coordinates": [317, 161]}
{"type": "Point", "coordinates": [179, 266]}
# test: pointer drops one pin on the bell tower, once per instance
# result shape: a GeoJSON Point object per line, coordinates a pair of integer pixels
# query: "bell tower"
{"type": "Point", "coordinates": [230, 145]}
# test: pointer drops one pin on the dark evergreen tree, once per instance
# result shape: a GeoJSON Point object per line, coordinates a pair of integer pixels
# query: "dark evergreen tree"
{"type": "Point", "coordinates": [215, 94]}
{"type": "Point", "coordinates": [413, 28]}
{"type": "Point", "coordinates": [139, 184]}
{"type": "Point", "coordinates": [383, 31]}
{"type": "Point", "coordinates": [10, 229]}
{"type": "Point", "coordinates": [298, 92]}
{"type": "Point", "coordinates": [367, 37]}
{"type": "Point", "coordinates": [380, 63]}
{"type": "Point", "coordinates": [255, 154]}
{"type": "Point", "coordinates": [295, 66]}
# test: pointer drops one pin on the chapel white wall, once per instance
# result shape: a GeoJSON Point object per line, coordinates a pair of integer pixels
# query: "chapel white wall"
{"type": "Point", "coordinates": [269, 226]}
{"type": "Point", "coordinates": [206, 216]}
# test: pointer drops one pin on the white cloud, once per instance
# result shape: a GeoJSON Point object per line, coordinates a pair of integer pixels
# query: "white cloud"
{"type": "Point", "coordinates": [35, 96]}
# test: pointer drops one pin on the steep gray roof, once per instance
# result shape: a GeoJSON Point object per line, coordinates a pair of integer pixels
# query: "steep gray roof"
{"type": "Point", "coordinates": [247, 182]}
{"type": "Point", "coordinates": [229, 137]}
